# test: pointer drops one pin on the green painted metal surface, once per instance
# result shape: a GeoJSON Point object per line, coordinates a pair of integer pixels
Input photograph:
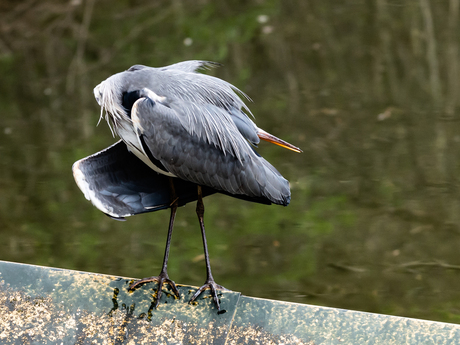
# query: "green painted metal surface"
{"type": "Point", "coordinates": [41, 305]}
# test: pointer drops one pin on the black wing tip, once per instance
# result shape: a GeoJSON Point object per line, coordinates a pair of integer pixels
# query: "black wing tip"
{"type": "Point", "coordinates": [121, 219]}
{"type": "Point", "coordinates": [284, 201]}
{"type": "Point", "coordinates": [287, 201]}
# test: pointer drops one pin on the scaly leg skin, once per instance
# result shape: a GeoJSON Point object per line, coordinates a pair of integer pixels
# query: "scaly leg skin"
{"type": "Point", "coordinates": [163, 277]}
{"type": "Point", "coordinates": [209, 283]}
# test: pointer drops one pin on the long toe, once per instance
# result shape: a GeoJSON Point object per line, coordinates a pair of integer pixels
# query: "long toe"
{"type": "Point", "coordinates": [213, 287]}
{"type": "Point", "coordinates": [161, 279]}
{"type": "Point", "coordinates": [143, 281]}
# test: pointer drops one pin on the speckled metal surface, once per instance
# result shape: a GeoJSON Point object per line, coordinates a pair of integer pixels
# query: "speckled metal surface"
{"type": "Point", "coordinates": [274, 322]}
{"type": "Point", "coordinates": [41, 305]}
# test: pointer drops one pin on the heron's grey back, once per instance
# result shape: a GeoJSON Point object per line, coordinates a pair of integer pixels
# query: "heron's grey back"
{"type": "Point", "coordinates": [179, 81]}
{"type": "Point", "coordinates": [193, 158]}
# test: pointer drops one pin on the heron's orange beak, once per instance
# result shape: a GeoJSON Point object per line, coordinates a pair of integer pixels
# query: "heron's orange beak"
{"type": "Point", "coordinates": [272, 139]}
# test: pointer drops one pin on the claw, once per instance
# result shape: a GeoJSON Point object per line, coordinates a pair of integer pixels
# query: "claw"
{"type": "Point", "coordinates": [209, 284]}
{"type": "Point", "coordinates": [161, 279]}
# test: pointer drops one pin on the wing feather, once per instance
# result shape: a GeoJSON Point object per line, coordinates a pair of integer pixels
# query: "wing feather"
{"type": "Point", "coordinates": [192, 65]}
{"type": "Point", "coordinates": [207, 158]}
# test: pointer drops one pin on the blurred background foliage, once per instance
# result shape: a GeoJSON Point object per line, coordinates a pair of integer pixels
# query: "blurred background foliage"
{"type": "Point", "coordinates": [367, 88]}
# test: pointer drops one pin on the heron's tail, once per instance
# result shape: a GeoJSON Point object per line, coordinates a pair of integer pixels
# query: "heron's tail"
{"type": "Point", "coordinates": [273, 185]}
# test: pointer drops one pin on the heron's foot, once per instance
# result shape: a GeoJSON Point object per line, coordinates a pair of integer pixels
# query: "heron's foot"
{"type": "Point", "coordinates": [209, 284]}
{"type": "Point", "coordinates": [161, 279]}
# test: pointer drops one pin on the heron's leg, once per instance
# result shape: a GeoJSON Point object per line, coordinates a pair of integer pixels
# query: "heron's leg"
{"type": "Point", "coordinates": [209, 283]}
{"type": "Point", "coordinates": [163, 276]}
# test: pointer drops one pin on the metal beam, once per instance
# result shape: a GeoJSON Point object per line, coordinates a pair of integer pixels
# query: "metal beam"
{"type": "Point", "coordinates": [53, 306]}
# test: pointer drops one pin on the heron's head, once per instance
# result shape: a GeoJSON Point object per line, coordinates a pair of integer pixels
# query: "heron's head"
{"type": "Point", "coordinates": [108, 96]}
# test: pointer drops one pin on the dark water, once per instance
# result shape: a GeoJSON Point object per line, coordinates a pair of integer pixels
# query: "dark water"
{"type": "Point", "coordinates": [367, 88]}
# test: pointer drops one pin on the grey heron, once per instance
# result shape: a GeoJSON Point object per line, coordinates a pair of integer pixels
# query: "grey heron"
{"type": "Point", "coordinates": [184, 135]}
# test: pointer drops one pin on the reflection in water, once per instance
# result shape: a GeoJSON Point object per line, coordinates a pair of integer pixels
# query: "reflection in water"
{"type": "Point", "coordinates": [369, 90]}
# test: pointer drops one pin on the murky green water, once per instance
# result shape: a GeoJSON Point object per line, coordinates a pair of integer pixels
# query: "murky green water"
{"type": "Point", "coordinates": [368, 89]}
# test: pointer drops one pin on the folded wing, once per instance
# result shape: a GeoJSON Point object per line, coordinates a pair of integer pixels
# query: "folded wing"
{"type": "Point", "coordinates": [191, 144]}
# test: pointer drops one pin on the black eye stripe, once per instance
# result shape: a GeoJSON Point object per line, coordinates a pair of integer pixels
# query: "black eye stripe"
{"type": "Point", "coordinates": [128, 99]}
